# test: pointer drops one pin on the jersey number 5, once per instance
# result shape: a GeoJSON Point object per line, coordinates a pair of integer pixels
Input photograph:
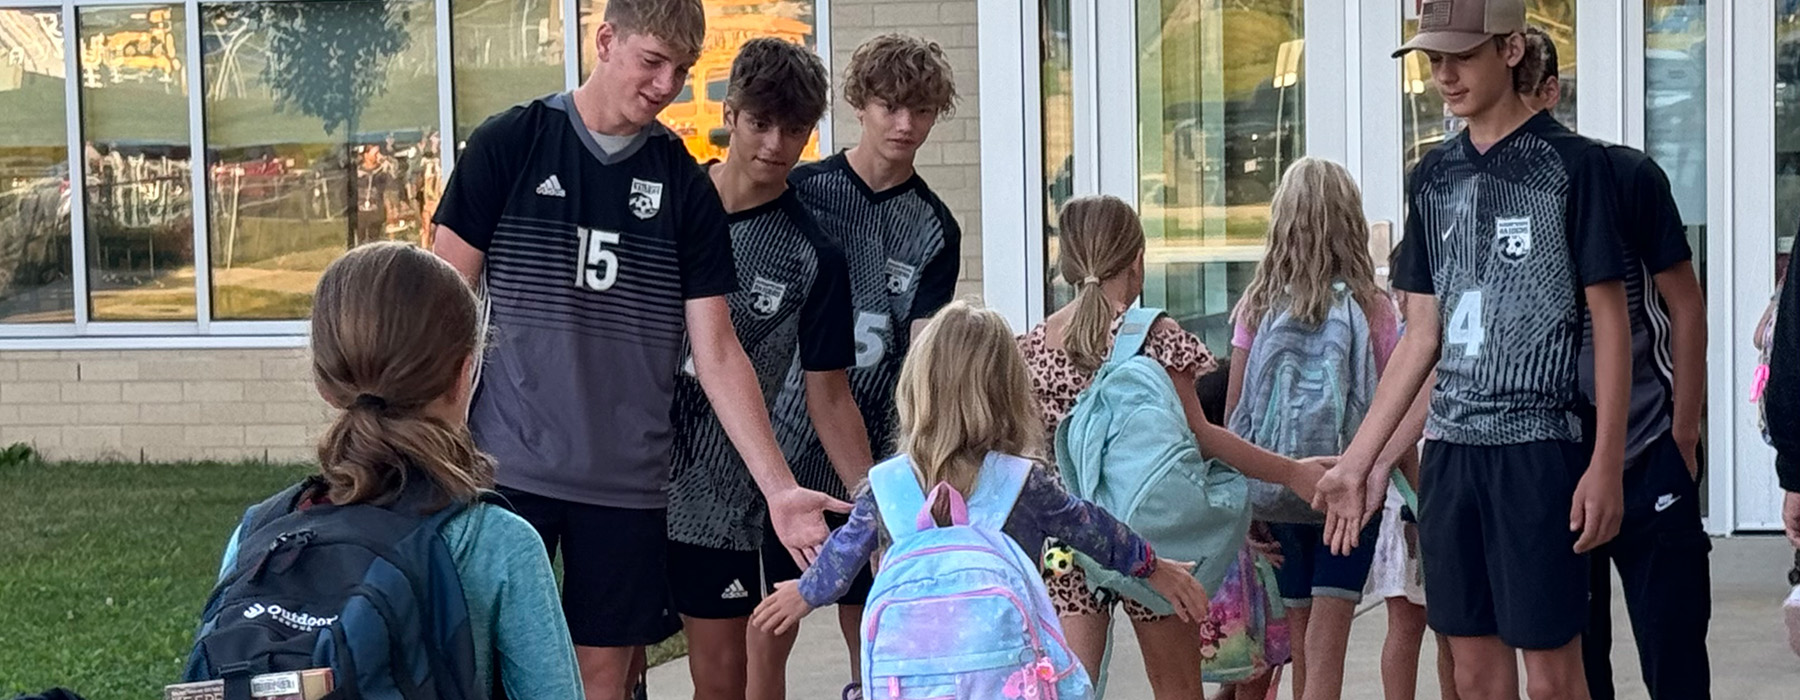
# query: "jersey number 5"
{"type": "Point", "coordinates": [871, 344]}
{"type": "Point", "coordinates": [1465, 324]}
{"type": "Point", "coordinates": [596, 268]}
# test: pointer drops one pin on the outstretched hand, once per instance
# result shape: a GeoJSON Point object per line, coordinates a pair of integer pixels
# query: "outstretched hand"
{"type": "Point", "coordinates": [797, 515]}
{"type": "Point", "coordinates": [783, 609]}
{"type": "Point", "coordinates": [1174, 580]}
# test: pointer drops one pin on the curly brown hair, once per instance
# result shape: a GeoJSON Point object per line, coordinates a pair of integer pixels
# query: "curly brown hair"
{"type": "Point", "coordinates": [779, 81]}
{"type": "Point", "coordinates": [903, 71]}
{"type": "Point", "coordinates": [680, 23]}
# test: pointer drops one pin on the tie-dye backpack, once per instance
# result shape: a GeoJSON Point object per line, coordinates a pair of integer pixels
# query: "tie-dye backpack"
{"type": "Point", "coordinates": [960, 611]}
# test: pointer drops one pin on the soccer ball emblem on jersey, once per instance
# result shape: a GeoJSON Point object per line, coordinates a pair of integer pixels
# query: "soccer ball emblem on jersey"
{"type": "Point", "coordinates": [1512, 238]}
{"type": "Point", "coordinates": [646, 198]}
{"type": "Point", "coordinates": [900, 276]}
{"type": "Point", "coordinates": [765, 296]}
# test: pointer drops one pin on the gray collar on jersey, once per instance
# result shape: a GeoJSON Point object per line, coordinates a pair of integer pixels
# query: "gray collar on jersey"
{"type": "Point", "coordinates": [566, 102]}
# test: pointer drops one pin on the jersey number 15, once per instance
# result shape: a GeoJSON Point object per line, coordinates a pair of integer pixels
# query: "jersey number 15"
{"type": "Point", "coordinates": [596, 268]}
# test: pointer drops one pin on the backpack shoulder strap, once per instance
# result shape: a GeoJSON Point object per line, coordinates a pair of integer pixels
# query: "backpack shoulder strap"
{"type": "Point", "coordinates": [998, 490]}
{"type": "Point", "coordinates": [897, 495]}
{"type": "Point", "coordinates": [1133, 331]}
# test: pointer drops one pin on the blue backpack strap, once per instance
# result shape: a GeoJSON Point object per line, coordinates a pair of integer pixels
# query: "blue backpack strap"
{"type": "Point", "coordinates": [1134, 329]}
{"type": "Point", "coordinates": [997, 491]}
{"type": "Point", "coordinates": [897, 495]}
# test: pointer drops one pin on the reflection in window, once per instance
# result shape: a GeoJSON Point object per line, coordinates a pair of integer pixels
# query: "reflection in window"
{"type": "Point", "coordinates": [1219, 122]}
{"type": "Point", "coordinates": [139, 207]}
{"type": "Point", "coordinates": [1427, 121]}
{"type": "Point", "coordinates": [35, 262]}
{"type": "Point", "coordinates": [321, 125]}
{"type": "Point", "coordinates": [1787, 133]}
{"type": "Point", "coordinates": [1675, 107]}
{"type": "Point", "coordinates": [1058, 126]}
{"type": "Point", "coordinates": [729, 23]}
{"type": "Point", "coordinates": [506, 52]}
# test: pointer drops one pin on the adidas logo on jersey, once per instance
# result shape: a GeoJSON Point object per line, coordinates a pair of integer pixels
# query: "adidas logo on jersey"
{"type": "Point", "coordinates": [551, 187]}
{"type": "Point", "coordinates": [735, 591]}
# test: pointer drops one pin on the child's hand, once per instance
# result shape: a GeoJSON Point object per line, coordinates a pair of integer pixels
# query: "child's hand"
{"type": "Point", "coordinates": [1174, 580]}
{"type": "Point", "coordinates": [1599, 506]}
{"type": "Point", "coordinates": [1307, 474]}
{"type": "Point", "coordinates": [783, 609]}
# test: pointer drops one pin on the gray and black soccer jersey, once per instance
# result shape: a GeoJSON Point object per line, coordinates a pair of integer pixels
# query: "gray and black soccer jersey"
{"type": "Point", "coordinates": [590, 258]}
{"type": "Point", "coordinates": [1654, 241]}
{"type": "Point", "coordinates": [1507, 240]}
{"type": "Point", "coordinates": [793, 297]}
{"type": "Point", "coordinates": [904, 251]}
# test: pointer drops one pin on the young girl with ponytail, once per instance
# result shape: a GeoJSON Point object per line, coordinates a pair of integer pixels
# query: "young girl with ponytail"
{"type": "Point", "coordinates": [396, 335]}
{"type": "Point", "coordinates": [1102, 255]}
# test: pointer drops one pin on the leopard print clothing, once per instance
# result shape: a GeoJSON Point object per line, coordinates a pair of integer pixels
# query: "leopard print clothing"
{"type": "Point", "coordinates": [1057, 382]}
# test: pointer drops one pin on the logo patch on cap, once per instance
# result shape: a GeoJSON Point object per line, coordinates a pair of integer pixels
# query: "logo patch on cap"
{"type": "Point", "coordinates": [1436, 14]}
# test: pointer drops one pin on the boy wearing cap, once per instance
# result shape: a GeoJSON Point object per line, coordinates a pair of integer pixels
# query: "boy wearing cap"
{"type": "Point", "coordinates": [1511, 228]}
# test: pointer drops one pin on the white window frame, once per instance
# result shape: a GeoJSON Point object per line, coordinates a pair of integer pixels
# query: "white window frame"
{"type": "Point", "coordinates": [204, 332]}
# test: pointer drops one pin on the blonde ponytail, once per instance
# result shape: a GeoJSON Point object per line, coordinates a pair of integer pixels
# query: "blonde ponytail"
{"type": "Point", "coordinates": [1100, 239]}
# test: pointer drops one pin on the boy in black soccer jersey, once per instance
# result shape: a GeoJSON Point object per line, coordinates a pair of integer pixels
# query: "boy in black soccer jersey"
{"type": "Point", "coordinates": [793, 298]}
{"type": "Point", "coordinates": [903, 249]}
{"type": "Point", "coordinates": [601, 244]}
{"type": "Point", "coordinates": [1511, 228]}
{"type": "Point", "coordinates": [1661, 550]}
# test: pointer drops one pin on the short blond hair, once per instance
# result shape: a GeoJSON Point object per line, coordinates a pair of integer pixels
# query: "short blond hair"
{"type": "Point", "coordinates": [680, 23]}
{"type": "Point", "coordinates": [963, 392]}
{"type": "Point", "coordinates": [902, 70]}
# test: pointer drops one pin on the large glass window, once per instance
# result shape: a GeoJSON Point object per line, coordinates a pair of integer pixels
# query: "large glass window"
{"type": "Point", "coordinates": [698, 113]}
{"type": "Point", "coordinates": [35, 264]}
{"type": "Point", "coordinates": [1427, 121]}
{"type": "Point", "coordinates": [1221, 108]}
{"type": "Point", "coordinates": [1787, 132]}
{"type": "Point", "coordinates": [1057, 117]}
{"type": "Point", "coordinates": [139, 205]}
{"type": "Point", "coordinates": [1675, 107]}
{"type": "Point", "coordinates": [506, 52]}
{"type": "Point", "coordinates": [321, 130]}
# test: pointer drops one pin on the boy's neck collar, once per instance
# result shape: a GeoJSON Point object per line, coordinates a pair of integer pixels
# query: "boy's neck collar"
{"type": "Point", "coordinates": [880, 174]}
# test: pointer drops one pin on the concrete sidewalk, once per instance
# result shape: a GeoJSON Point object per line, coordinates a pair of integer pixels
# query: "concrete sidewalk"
{"type": "Point", "coordinates": [1750, 658]}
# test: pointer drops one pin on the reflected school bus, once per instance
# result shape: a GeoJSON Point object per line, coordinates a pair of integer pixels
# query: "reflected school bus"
{"type": "Point", "coordinates": [698, 113]}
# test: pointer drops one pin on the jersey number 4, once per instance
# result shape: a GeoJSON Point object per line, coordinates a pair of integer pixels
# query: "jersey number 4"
{"type": "Point", "coordinates": [596, 268]}
{"type": "Point", "coordinates": [1465, 324]}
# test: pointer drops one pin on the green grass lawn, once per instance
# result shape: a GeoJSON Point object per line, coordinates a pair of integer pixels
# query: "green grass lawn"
{"type": "Point", "coordinates": [104, 567]}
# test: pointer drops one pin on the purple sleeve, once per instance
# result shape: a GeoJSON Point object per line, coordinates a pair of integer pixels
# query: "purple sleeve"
{"type": "Point", "coordinates": [1082, 526]}
{"type": "Point", "coordinates": [844, 555]}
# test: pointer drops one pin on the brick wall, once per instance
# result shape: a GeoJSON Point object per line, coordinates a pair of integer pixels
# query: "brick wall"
{"type": "Point", "coordinates": [161, 405]}
{"type": "Point", "coordinates": [951, 160]}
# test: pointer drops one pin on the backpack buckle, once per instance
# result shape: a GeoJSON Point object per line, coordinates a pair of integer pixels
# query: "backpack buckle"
{"type": "Point", "coordinates": [237, 680]}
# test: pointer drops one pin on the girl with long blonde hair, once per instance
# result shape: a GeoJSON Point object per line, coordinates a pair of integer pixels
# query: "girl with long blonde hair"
{"type": "Point", "coordinates": [1318, 253]}
{"type": "Point", "coordinates": [964, 395]}
{"type": "Point", "coordinates": [1102, 256]}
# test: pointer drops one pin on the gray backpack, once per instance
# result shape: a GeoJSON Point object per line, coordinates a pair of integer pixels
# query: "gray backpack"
{"type": "Point", "coordinates": [1306, 390]}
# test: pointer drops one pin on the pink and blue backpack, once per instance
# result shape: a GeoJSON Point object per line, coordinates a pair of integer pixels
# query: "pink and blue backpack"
{"type": "Point", "coordinates": [960, 611]}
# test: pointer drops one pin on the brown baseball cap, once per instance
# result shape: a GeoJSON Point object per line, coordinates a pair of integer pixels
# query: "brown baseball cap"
{"type": "Point", "coordinates": [1457, 26]}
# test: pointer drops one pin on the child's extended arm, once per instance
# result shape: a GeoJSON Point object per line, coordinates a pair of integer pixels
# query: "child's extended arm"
{"type": "Point", "coordinates": [1090, 529]}
{"type": "Point", "coordinates": [1343, 492]}
{"type": "Point", "coordinates": [844, 555]}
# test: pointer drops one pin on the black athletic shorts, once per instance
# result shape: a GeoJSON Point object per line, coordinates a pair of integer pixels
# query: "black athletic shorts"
{"type": "Point", "coordinates": [714, 584]}
{"type": "Point", "coordinates": [779, 566]}
{"type": "Point", "coordinates": [615, 568]}
{"type": "Point", "coordinates": [1495, 544]}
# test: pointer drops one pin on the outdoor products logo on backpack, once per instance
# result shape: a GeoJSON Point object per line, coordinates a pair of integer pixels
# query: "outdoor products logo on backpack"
{"type": "Point", "coordinates": [370, 592]}
{"type": "Point", "coordinates": [959, 611]}
{"type": "Point", "coordinates": [1306, 390]}
{"type": "Point", "coordinates": [1127, 447]}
